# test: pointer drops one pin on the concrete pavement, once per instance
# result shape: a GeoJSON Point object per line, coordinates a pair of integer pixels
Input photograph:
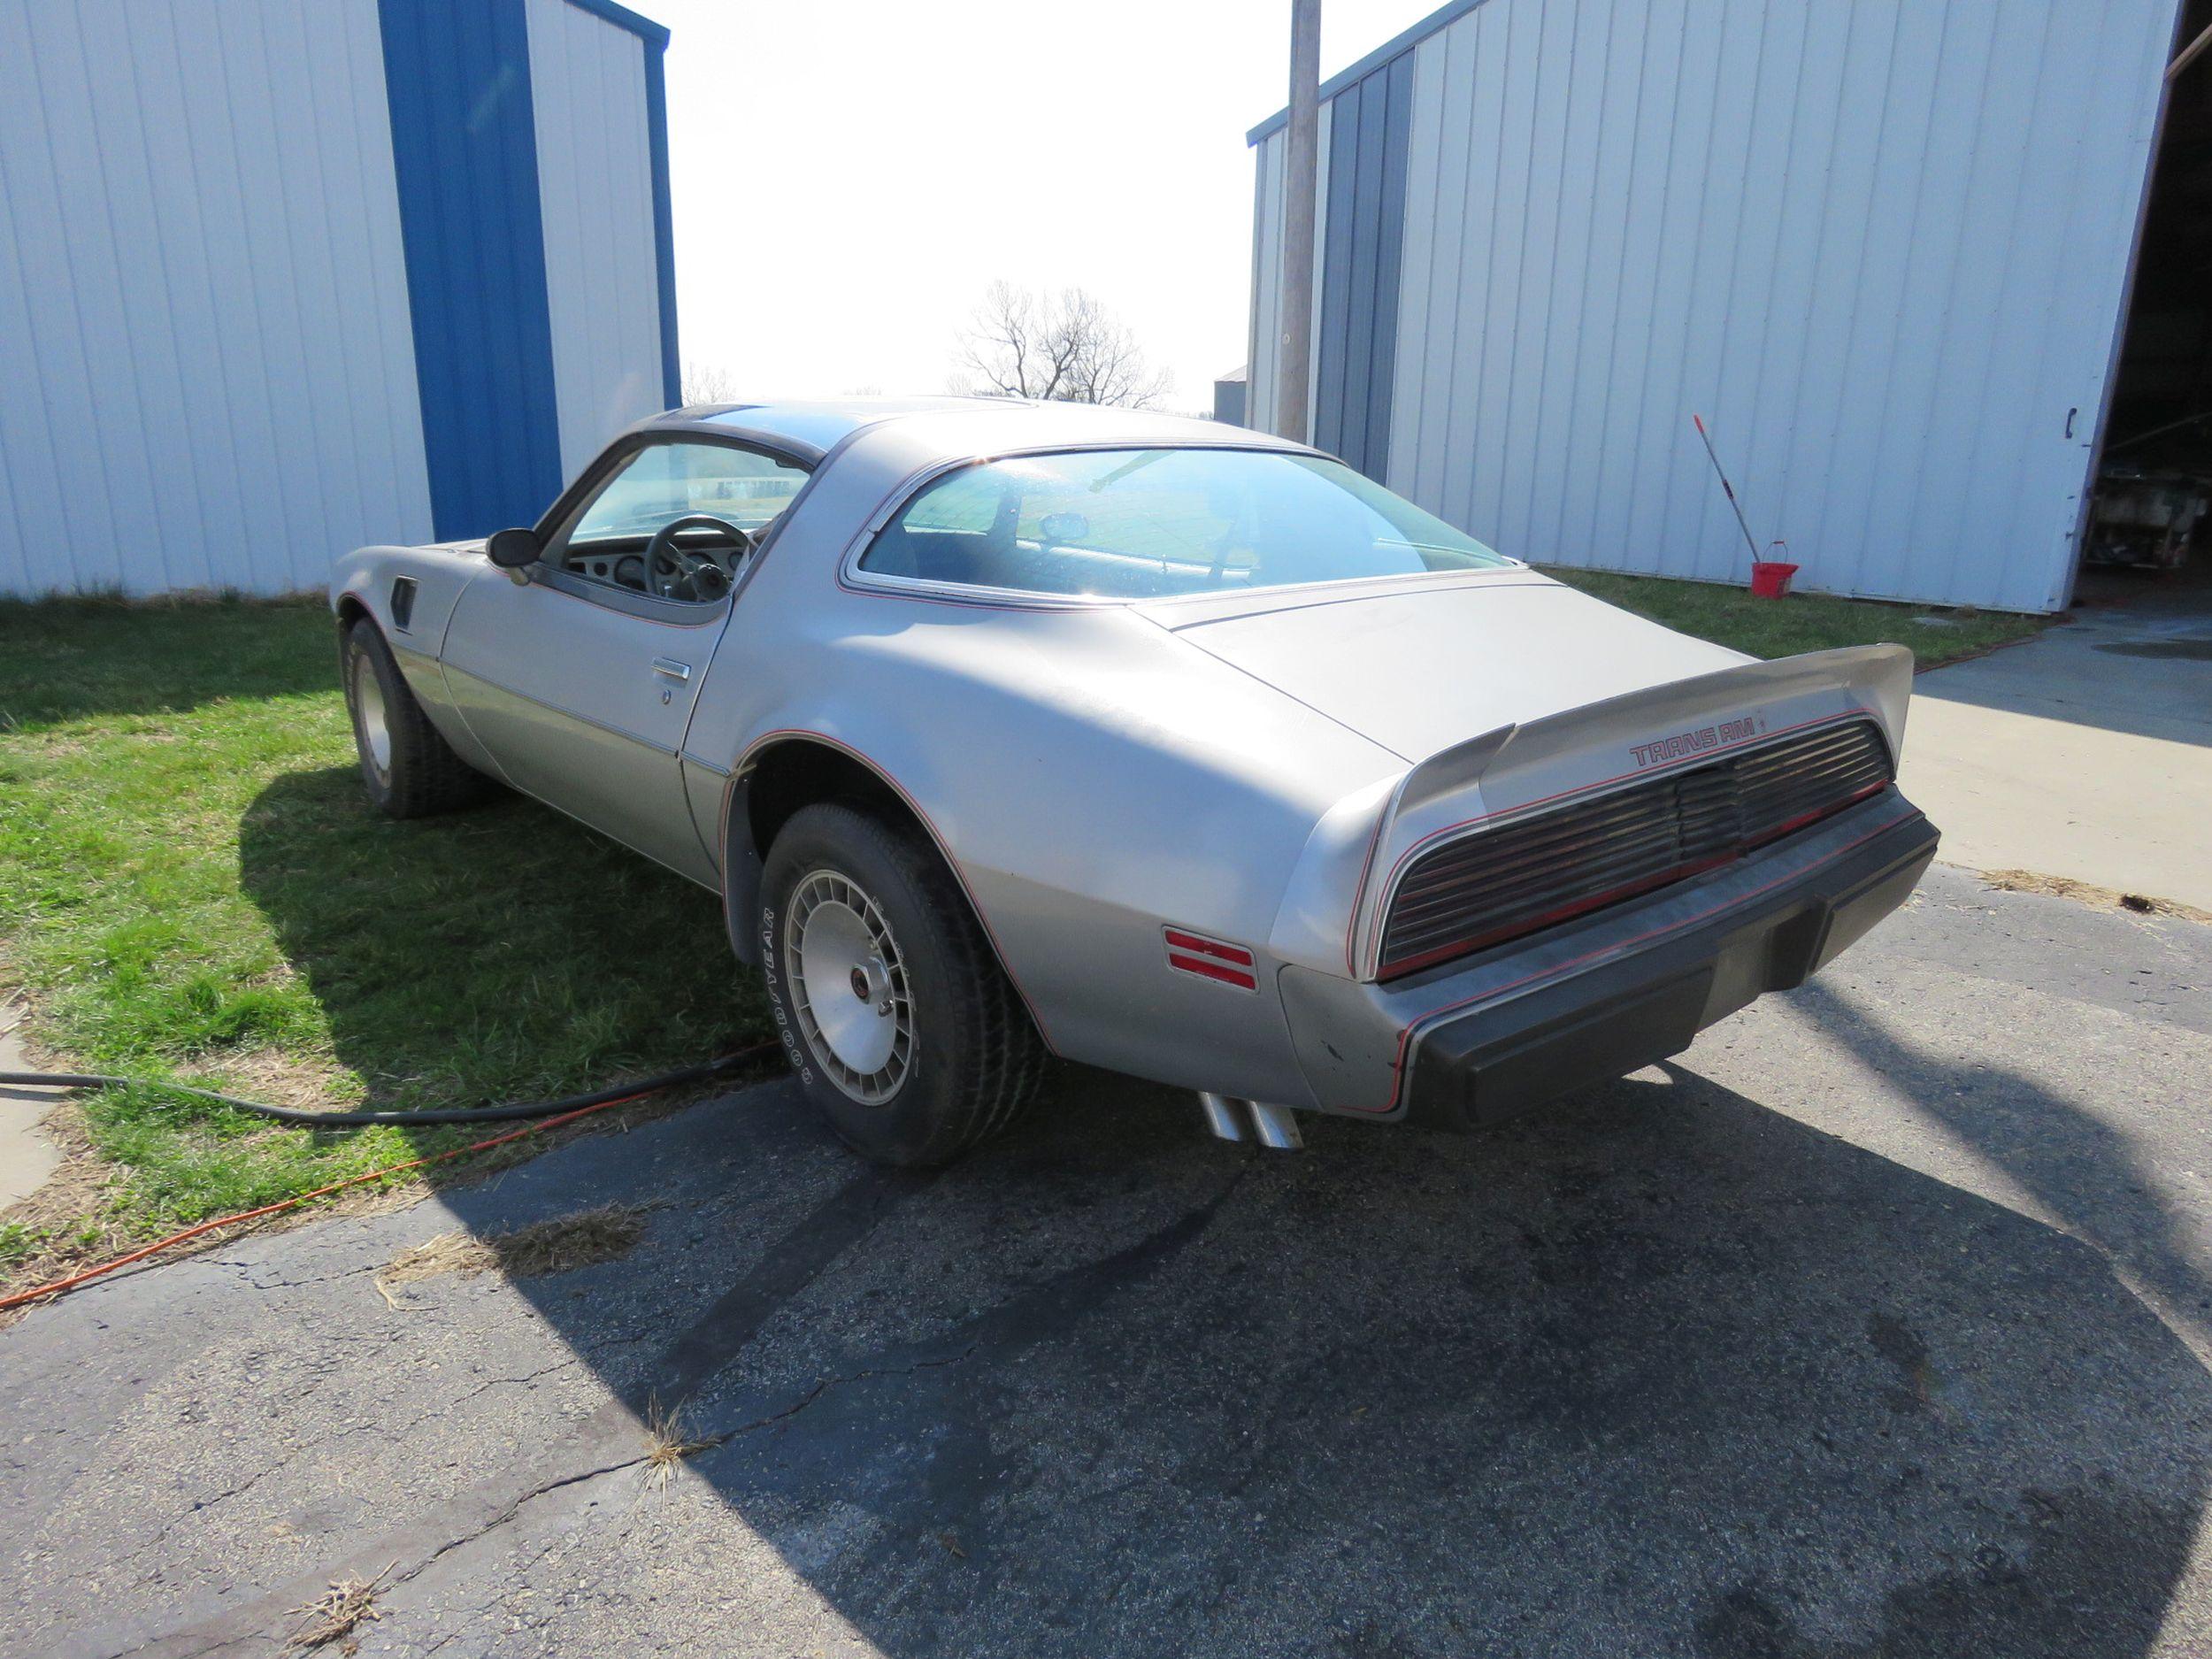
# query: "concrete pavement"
{"type": "Point", "coordinates": [26, 1157]}
{"type": "Point", "coordinates": [2086, 752]}
{"type": "Point", "coordinates": [1877, 1324]}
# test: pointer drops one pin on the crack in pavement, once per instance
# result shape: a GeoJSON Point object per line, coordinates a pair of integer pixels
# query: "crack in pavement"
{"type": "Point", "coordinates": [848, 1216]}
{"type": "Point", "coordinates": [825, 1384]}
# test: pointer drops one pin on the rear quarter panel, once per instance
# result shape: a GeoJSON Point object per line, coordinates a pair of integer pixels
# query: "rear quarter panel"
{"type": "Point", "coordinates": [1091, 780]}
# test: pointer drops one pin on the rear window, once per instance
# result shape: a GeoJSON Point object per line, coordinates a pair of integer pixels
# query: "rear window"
{"type": "Point", "coordinates": [1144, 524]}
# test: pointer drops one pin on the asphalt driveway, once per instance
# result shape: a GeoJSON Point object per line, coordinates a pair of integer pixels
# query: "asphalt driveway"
{"type": "Point", "coordinates": [1877, 1324]}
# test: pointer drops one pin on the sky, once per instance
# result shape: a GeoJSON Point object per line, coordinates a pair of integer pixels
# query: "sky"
{"type": "Point", "coordinates": [849, 177]}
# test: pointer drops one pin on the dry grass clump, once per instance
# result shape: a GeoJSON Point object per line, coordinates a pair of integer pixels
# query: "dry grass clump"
{"type": "Point", "coordinates": [2089, 893]}
{"type": "Point", "coordinates": [668, 1444]}
{"type": "Point", "coordinates": [332, 1616]}
{"type": "Point", "coordinates": [557, 1245]}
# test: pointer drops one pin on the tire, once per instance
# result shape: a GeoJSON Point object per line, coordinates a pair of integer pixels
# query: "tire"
{"type": "Point", "coordinates": [904, 975]}
{"type": "Point", "coordinates": [412, 772]}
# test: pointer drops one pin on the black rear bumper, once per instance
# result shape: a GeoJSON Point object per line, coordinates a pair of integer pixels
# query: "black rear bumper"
{"type": "Point", "coordinates": [1535, 1019]}
{"type": "Point", "coordinates": [1647, 1004]}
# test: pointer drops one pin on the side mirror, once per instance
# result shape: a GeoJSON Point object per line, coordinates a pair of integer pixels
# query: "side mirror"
{"type": "Point", "coordinates": [511, 550]}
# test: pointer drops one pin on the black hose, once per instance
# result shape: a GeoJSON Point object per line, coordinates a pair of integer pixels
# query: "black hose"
{"type": "Point", "coordinates": [677, 1078]}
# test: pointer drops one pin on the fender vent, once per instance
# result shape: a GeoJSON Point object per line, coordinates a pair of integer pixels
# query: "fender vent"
{"type": "Point", "coordinates": [403, 601]}
{"type": "Point", "coordinates": [1532, 871]}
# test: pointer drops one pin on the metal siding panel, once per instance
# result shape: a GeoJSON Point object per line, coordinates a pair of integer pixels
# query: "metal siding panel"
{"type": "Point", "coordinates": [596, 188]}
{"type": "Point", "coordinates": [1324, 147]}
{"type": "Point", "coordinates": [663, 217]}
{"type": "Point", "coordinates": [1734, 333]}
{"type": "Point", "coordinates": [1881, 247]}
{"type": "Point", "coordinates": [1537, 271]}
{"type": "Point", "coordinates": [1556, 493]}
{"type": "Point", "coordinates": [1361, 258]}
{"type": "Point", "coordinates": [211, 381]}
{"type": "Point", "coordinates": [210, 432]}
{"type": "Point", "coordinates": [354, 122]}
{"type": "Point", "coordinates": [1255, 412]}
{"type": "Point", "coordinates": [1481, 53]}
{"type": "Point", "coordinates": [1673, 383]}
{"type": "Point", "coordinates": [1437, 350]}
{"type": "Point", "coordinates": [1953, 48]}
{"type": "Point", "coordinates": [1267, 265]}
{"type": "Point", "coordinates": [1269, 186]}
{"type": "Point", "coordinates": [79, 335]}
{"type": "Point", "coordinates": [1409, 380]}
{"type": "Point", "coordinates": [1830, 461]}
{"type": "Point", "coordinates": [1487, 169]}
{"type": "Point", "coordinates": [1335, 254]}
{"type": "Point", "coordinates": [1630, 537]}
{"type": "Point", "coordinates": [465, 150]}
{"type": "Point", "coordinates": [2036, 80]}
{"type": "Point", "coordinates": [1382, 341]}
{"type": "Point", "coordinates": [1354, 308]}
{"type": "Point", "coordinates": [1610, 184]}
{"type": "Point", "coordinates": [2117, 130]}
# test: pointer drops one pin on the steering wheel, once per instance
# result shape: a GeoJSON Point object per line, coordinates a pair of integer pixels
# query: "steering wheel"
{"type": "Point", "coordinates": [673, 573]}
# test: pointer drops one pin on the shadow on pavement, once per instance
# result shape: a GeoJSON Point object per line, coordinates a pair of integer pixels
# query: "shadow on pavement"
{"type": "Point", "coordinates": [2080, 1170]}
{"type": "Point", "coordinates": [1665, 1372]}
{"type": "Point", "coordinates": [1661, 1370]}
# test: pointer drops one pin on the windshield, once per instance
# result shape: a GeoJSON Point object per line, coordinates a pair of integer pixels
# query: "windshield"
{"type": "Point", "coordinates": [1143, 524]}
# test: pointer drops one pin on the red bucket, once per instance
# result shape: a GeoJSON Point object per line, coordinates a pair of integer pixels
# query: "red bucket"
{"type": "Point", "coordinates": [1770, 579]}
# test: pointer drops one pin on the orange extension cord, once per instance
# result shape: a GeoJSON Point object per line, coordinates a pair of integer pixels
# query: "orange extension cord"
{"type": "Point", "coordinates": [62, 1286]}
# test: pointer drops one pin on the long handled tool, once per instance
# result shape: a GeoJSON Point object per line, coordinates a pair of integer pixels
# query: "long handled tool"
{"type": "Point", "coordinates": [1727, 489]}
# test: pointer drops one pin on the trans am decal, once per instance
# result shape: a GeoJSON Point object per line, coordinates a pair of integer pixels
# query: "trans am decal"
{"type": "Point", "coordinates": [1718, 735]}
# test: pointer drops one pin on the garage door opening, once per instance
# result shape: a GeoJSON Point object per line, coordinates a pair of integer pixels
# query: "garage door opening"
{"type": "Point", "coordinates": [2148, 535]}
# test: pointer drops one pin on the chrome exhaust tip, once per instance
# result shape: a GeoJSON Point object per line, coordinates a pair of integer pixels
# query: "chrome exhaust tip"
{"type": "Point", "coordinates": [1274, 1127]}
{"type": "Point", "coordinates": [1222, 1115]}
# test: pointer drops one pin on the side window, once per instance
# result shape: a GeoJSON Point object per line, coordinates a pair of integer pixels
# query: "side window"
{"type": "Point", "coordinates": [719, 498]}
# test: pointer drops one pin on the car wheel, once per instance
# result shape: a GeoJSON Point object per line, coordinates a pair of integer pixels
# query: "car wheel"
{"type": "Point", "coordinates": [410, 769]}
{"type": "Point", "coordinates": [902, 1028]}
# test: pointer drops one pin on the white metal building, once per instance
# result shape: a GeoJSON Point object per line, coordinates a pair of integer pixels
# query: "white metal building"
{"type": "Point", "coordinates": [1884, 248]}
{"type": "Point", "coordinates": [280, 279]}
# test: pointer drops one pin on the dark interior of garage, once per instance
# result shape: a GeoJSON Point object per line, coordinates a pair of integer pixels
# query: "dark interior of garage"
{"type": "Point", "coordinates": [2150, 521]}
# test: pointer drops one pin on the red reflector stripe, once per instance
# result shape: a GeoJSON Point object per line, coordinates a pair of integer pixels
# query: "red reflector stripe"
{"type": "Point", "coordinates": [1212, 971]}
{"type": "Point", "coordinates": [1178, 940]}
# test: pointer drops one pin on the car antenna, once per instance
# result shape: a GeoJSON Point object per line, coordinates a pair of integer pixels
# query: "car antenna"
{"type": "Point", "coordinates": [1727, 489]}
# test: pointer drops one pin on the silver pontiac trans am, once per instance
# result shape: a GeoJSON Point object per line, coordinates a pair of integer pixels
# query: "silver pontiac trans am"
{"type": "Point", "coordinates": [1006, 731]}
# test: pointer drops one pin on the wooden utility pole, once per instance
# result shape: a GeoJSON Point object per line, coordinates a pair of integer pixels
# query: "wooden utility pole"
{"type": "Point", "coordinates": [1293, 359]}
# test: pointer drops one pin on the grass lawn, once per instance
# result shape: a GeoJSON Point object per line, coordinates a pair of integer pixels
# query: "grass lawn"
{"type": "Point", "coordinates": [197, 889]}
{"type": "Point", "coordinates": [1803, 622]}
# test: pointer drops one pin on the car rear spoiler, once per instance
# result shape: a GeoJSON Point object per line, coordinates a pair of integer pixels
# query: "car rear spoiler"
{"type": "Point", "coordinates": [1610, 744]}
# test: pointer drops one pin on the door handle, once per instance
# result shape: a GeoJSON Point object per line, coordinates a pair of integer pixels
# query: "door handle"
{"type": "Point", "coordinates": [673, 669]}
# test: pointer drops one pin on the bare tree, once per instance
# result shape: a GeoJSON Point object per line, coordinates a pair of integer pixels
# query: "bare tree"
{"type": "Point", "coordinates": [1062, 346]}
{"type": "Point", "coordinates": [709, 383]}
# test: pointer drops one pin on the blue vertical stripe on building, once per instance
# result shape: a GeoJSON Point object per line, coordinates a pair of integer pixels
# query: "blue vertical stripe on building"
{"type": "Point", "coordinates": [664, 215]}
{"type": "Point", "coordinates": [1370, 128]}
{"type": "Point", "coordinates": [464, 151]}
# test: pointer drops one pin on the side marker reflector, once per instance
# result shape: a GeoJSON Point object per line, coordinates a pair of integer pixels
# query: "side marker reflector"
{"type": "Point", "coordinates": [1214, 959]}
